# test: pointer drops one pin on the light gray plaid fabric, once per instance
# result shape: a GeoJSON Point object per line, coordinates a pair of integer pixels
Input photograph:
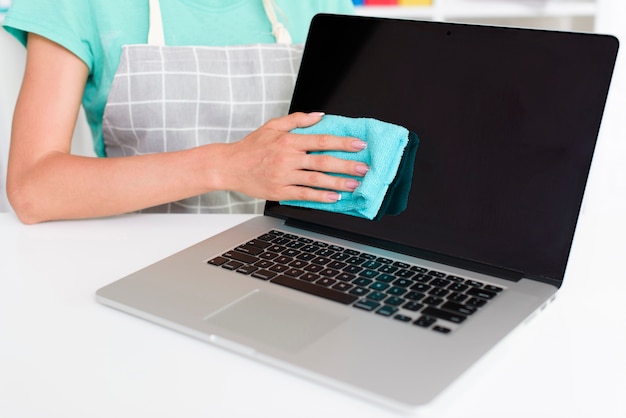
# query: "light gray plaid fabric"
{"type": "Point", "coordinates": [166, 98]}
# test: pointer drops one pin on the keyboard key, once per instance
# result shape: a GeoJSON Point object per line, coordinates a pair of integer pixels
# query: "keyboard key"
{"type": "Point", "coordinates": [493, 288]}
{"type": "Point", "coordinates": [309, 277]}
{"type": "Point", "coordinates": [346, 277]}
{"type": "Point", "coordinates": [368, 305]}
{"type": "Point", "coordinates": [231, 265]}
{"type": "Point", "coordinates": [476, 302]}
{"type": "Point", "coordinates": [249, 269]}
{"type": "Point", "coordinates": [387, 310]}
{"type": "Point", "coordinates": [406, 274]}
{"type": "Point", "coordinates": [425, 321]}
{"type": "Point", "coordinates": [377, 296]}
{"type": "Point", "coordinates": [402, 318]}
{"type": "Point", "coordinates": [244, 258]}
{"type": "Point", "coordinates": [445, 315]}
{"type": "Point", "coordinates": [431, 300]}
{"type": "Point", "coordinates": [361, 281]}
{"type": "Point", "coordinates": [338, 265]}
{"type": "Point", "coordinates": [371, 264]}
{"type": "Point", "coordinates": [293, 272]}
{"type": "Point", "coordinates": [353, 269]}
{"type": "Point", "coordinates": [441, 329]}
{"type": "Point", "coordinates": [259, 243]}
{"type": "Point", "coordinates": [413, 306]}
{"type": "Point", "coordinates": [473, 283]}
{"type": "Point", "coordinates": [279, 268]}
{"type": "Point", "coordinates": [397, 291]}
{"type": "Point", "coordinates": [298, 264]}
{"type": "Point", "coordinates": [368, 274]}
{"type": "Point", "coordinates": [394, 301]}
{"type": "Point", "coordinates": [379, 286]}
{"type": "Point", "coordinates": [281, 259]}
{"type": "Point", "coordinates": [403, 282]}
{"type": "Point", "coordinates": [438, 292]}
{"type": "Point", "coordinates": [250, 249]}
{"type": "Point", "coordinates": [355, 261]}
{"type": "Point", "coordinates": [481, 293]}
{"type": "Point", "coordinates": [322, 261]}
{"type": "Point", "coordinates": [414, 296]}
{"type": "Point", "coordinates": [217, 261]}
{"type": "Point", "coordinates": [313, 289]}
{"type": "Point", "coordinates": [263, 274]}
{"type": "Point", "coordinates": [420, 287]}
{"type": "Point", "coordinates": [458, 287]}
{"type": "Point", "coordinates": [342, 286]}
{"type": "Point", "coordinates": [388, 269]}
{"type": "Point", "coordinates": [326, 281]}
{"type": "Point", "coordinates": [458, 308]}
{"type": "Point", "coordinates": [329, 272]}
{"type": "Point", "coordinates": [359, 291]}
{"type": "Point", "coordinates": [386, 278]}
{"type": "Point", "coordinates": [439, 282]}
{"type": "Point", "coordinates": [457, 297]}
{"type": "Point", "coordinates": [314, 268]}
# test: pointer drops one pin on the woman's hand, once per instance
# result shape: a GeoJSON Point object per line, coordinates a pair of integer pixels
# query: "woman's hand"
{"type": "Point", "coordinates": [274, 164]}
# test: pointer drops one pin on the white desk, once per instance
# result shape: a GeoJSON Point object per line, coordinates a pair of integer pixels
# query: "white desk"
{"type": "Point", "coordinates": [64, 355]}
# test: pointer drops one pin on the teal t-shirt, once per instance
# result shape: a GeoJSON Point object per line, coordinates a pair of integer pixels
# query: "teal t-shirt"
{"type": "Point", "coordinates": [95, 30]}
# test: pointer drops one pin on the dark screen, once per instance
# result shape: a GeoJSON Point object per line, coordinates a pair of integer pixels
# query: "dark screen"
{"type": "Point", "coordinates": [507, 121]}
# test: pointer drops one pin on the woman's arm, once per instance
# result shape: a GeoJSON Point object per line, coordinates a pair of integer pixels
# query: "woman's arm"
{"type": "Point", "coordinates": [46, 182]}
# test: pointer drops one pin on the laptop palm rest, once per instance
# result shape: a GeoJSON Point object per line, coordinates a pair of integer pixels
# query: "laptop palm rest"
{"type": "Point", "coordinates": [275, 321]}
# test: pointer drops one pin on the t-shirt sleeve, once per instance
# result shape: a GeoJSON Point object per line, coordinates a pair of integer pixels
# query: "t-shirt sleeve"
{"type": "Point", "coordinates": [68, 23]}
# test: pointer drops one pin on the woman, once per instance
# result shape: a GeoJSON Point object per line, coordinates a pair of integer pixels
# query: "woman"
{"type": "Point", "coordinates": [178, 119]}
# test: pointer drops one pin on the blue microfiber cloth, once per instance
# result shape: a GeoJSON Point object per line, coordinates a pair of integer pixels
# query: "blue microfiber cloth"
{"type": "Point", "coordinates": [389, 148]}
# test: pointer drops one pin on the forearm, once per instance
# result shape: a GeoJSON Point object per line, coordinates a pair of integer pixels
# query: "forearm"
{"type": "Point", "coordinates": [63, 186]}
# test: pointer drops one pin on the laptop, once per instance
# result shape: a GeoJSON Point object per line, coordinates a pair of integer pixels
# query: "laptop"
{"type": "Point", "coordinates": [395, 310]}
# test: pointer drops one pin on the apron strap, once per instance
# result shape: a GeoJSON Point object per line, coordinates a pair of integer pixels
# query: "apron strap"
{"type": "Point", "coordinates": [156, 34]}
{"type": "Point", "coordinates": [279, 30]}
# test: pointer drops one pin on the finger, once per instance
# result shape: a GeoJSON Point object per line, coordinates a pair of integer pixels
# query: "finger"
{"type": "Point", "coordinates": [321, 142]}
{"type": "Point", "coordinates": [324, 181]}
{"type": "Point", "coordinates": [328, 164]}
{"type": "Point", "coordinates": [294, 120]}
{"type": "Point", "coordinates": [310, 194]}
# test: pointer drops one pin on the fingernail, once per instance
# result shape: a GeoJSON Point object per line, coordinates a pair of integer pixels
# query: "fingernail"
{"type": "Point", "coordinates": [316, 114]}
{"type": "Point", "coordinates": [362, 169]}
{"type": "Point", "coordinates": [352, 184]}
{"type": "Point", "coordinates": [335, 197]}
{"type": "Point", "coordinates": [359, 144]}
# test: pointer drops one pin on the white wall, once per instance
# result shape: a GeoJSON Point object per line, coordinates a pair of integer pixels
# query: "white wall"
{"type": "Point", "coordinates": [607, 186]}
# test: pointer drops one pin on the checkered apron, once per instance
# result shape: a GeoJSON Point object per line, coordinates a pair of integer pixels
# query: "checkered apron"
{"type": "Point", "coordinates": [169, 98]}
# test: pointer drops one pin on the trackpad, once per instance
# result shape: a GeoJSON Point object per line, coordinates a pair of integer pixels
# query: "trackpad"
{"type": "Point", "coordinates": [275, 321]}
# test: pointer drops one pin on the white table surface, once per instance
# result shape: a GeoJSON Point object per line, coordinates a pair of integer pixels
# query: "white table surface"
{"type": "Point", "coordinates": [64, 355]}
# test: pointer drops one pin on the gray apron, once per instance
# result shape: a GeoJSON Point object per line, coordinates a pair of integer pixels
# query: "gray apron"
{"type": "Point", "coordinates": [169, 98]}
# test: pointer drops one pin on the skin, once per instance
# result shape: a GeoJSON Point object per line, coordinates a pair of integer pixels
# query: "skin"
{"type": "Point", "coordinates": [45, 182]}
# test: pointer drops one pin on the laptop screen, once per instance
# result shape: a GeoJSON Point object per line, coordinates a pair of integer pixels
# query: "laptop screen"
{"type": "Point", "coordinates": [507, 121]}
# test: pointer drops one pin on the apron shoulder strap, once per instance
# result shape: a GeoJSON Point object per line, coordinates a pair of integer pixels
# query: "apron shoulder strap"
{"type": "Point", "coordinates": [155, 33]}
{"type": "Point", "coordinates": [279, 30]}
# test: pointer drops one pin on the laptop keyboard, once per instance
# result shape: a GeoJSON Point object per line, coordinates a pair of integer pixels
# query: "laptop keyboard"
{"type": "Point", "coordinates": [405, 292]}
